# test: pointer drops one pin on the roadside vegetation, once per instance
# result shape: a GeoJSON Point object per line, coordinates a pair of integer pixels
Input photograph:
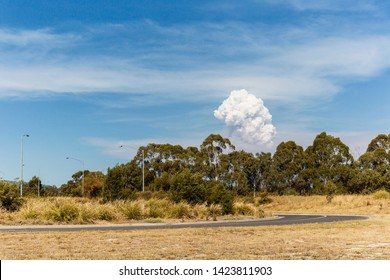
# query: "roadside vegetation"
{"type": "Point", "coordinates": [210, 182]}
{"type": "Point", "coordinates": [71, 210]}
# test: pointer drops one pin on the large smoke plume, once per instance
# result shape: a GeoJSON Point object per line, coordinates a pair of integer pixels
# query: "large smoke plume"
{"type": "Point", "coordinates": [250, 119]}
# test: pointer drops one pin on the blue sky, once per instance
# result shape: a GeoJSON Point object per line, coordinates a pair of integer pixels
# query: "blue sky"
{"type": "Point", "coordinates": [84, 77]}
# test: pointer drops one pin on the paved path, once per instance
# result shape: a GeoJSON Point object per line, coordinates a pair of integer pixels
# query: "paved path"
{"type": "Point", "coordinates": [280, 219]}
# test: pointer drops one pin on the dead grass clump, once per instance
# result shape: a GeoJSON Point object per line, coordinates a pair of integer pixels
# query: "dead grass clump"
{"type": "Point", "coordinates": [29, 213]}
{"type": "Point", "coordinates": [244, 209]}
{"type": "Point", "coordinates": [107, 212]}
{"type": "Point", "coordinates": [63, 212]}
{"type": "Point", "coordinates": [132, 210]}
{"type": "Point", "coordinates": [180, 210]}
{"type": "Point", "coordinates": [87, 213]}
{"type": "Point", "coordinates": [200, 211]}
{"type": "Point", "coordinates": [156, 208]}
{"type": "Point", "coordinates": [215, 210]}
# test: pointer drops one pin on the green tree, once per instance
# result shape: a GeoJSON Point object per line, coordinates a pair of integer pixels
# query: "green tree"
{"type": "Point", "coordinates": [287, 165]}
{"type": "Point", "coordinates": [238, 171]}
{"type": "Point", "coordinates": [31, 187]}
{"type": "Point", "coordinates": [210, 151]}
{"type": "Point", "coordinates": [122, 181]}
{"type": "Point", "coordinates": [93, 184]}
{"type": "Point", "coordinates": [262, 170]}
{"type": "Point", "coordinates": [328, 159]}
{"type": "Point", "coordinates": [10, 199]}
{"type": "Point", "coordinates": [218, 193]}
{"type": "Point", "coordinates": [187, 186]}
{"type": "Point", "coordinates": [373, 167]}
{"type": "Point", "coordinates": [74, 186]}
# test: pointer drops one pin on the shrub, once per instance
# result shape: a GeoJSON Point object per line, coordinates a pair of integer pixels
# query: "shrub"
{"type": "Point", "coordinates": [264, 198]}
{"type": "Point", "coordinates": [157, 208]}
{"type": "Point", "coordinates": [133, 210]}
{"type": "Point", "coordinates": [87, 214]}
{"type": "Point", "coordinates": [381, 194]}
{"type": "Point", "coordinates": [200, 211]}
{"type": "Point", "coordinates": [260, 213]}
{"type": "Point", "coordinates": [330, 189]}
{"type": "Point", "coordinates": [63, 211]}
{"type": "Point", "coordinates": [180, 210]}
{"type": "Point", "coordinates": [245, 209]}
{"type": "Point", "coordinates": [9, 197]}
{"type": "Point", "coordinates": [219, 194]}
{"type": "Point", "coordinates": [290, 191]}
{"type": "Point", "coordinates": [215, 210]}
{"type": "Point", "coordinates": [106, 213]}
{"type": "Point", "coordinates": [29, 213]}
{"type": "Point", "coordinates": [187, 186]}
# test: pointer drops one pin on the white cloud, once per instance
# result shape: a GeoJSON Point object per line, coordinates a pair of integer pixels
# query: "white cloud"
{"type": "Point", "coordinates": [331, 5]}
{"type": "Point", "coordinates": [340, 57]}
{"type": "Point", "coordinates": [250, 119]}
{"type": "Point", "coordinates": [300, 70]}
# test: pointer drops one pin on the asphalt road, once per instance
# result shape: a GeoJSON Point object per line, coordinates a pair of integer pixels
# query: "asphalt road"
{"type": "Point", "coordinates": [280, 219]}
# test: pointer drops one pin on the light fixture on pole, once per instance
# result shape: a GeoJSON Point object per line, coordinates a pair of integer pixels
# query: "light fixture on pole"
{"type": "Point", "coordinates": [22, 164]}
{"type": "Point", "coordinates": [82, 182]}
{"type": "Point", "coordinates": [143, 165]}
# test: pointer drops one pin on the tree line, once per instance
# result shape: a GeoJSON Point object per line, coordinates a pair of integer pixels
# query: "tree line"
{"type": "Point", "coordinates": [193, 173]}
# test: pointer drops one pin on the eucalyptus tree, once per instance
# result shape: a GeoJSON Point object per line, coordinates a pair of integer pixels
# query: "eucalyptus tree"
{"type": "Point", "coordinates": [122, 181]}
{"type": "Point", "coordinates": [210, 151]}
{"type": "Point", "coordinates": [328, 159]}
{"type": "Point", "coordinates": [32, 186]}
{"type": "Point", "coordinates": [74, 186]}
{"type": "Point", "coordinates": [94, 182]}
{"type": "Point", "coordinates": [287, 164]}
{"type": "Point", "coordinates": [373, 167]}
{"type": "Point", "coordinates": [236, 170]}
{"type": "Point", "coordinates": [260, 180]}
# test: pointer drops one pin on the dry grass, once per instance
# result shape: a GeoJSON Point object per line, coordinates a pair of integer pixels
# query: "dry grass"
{"type": "Point", "coordinates": [347, 240]}
{"type": "Point", "coordinates": [346, 204]}
{"type": "Point", "coordinates": [369, 239]}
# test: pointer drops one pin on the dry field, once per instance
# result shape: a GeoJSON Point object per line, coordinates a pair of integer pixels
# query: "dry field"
{"type": "Point", "coordinates": [369, 239]}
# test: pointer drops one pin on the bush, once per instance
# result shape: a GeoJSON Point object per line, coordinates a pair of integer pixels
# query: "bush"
{"type": "Point", "coordinates": [29, 213]}
{"type": "Point", "coordinates": [63, 211]}
{"type": "Point", "coordinates": [106, 213]}
{"type": "Point", "coordinates": [219, 194]}
{"type": "Point", "coordinates": [180, 211]}
{"type": "Point", "coordinates": [264, 198]}
{"type": "Point", "coordinates": [87, 214]}
{"type": "Point", "coordinates": [200, 211]}
{"type": "Point", "coordinates": [244, 209]}
{"type": "Point", "coordinates": [10, 199]}
{"type": "Point", "coordinates": [260, 213]}
{"type": "Point", "coordinates": [157, 208]}
{"type": "Point", "coordinates": [133, 210]}
{"type": "Point", "coordinates": [330, 189]}
{"type": "Point", "coordinates": [215, 210]}
{"type": "Point", "coordinates": [381, 194]}
{"type": "Point", "coordinates": [189, 187]}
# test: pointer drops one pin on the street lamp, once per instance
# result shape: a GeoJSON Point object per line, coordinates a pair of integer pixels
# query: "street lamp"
{"type": "Point", "coordinates": [82, 182]}
{"type": "Point", "coordinates": [22, 164]}
{"type": "Point", "coordinates": [143, 165]}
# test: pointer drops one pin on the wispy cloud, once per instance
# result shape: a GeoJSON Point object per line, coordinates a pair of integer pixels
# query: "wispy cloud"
{"type": "Point", "coordinates": [189, 61]}
{"type": "Point", "coordinates": [331, 5]}
{"type": "Point", "coordinates": [34, 37]}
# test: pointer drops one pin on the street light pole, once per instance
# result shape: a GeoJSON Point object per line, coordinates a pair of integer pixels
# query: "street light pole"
{"type": "Point", "coordinates": [143, 165]}
{"type": "Point", "coordinates": [82, 182]}
{"type": "Point", "coordinates": [22, 164]}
